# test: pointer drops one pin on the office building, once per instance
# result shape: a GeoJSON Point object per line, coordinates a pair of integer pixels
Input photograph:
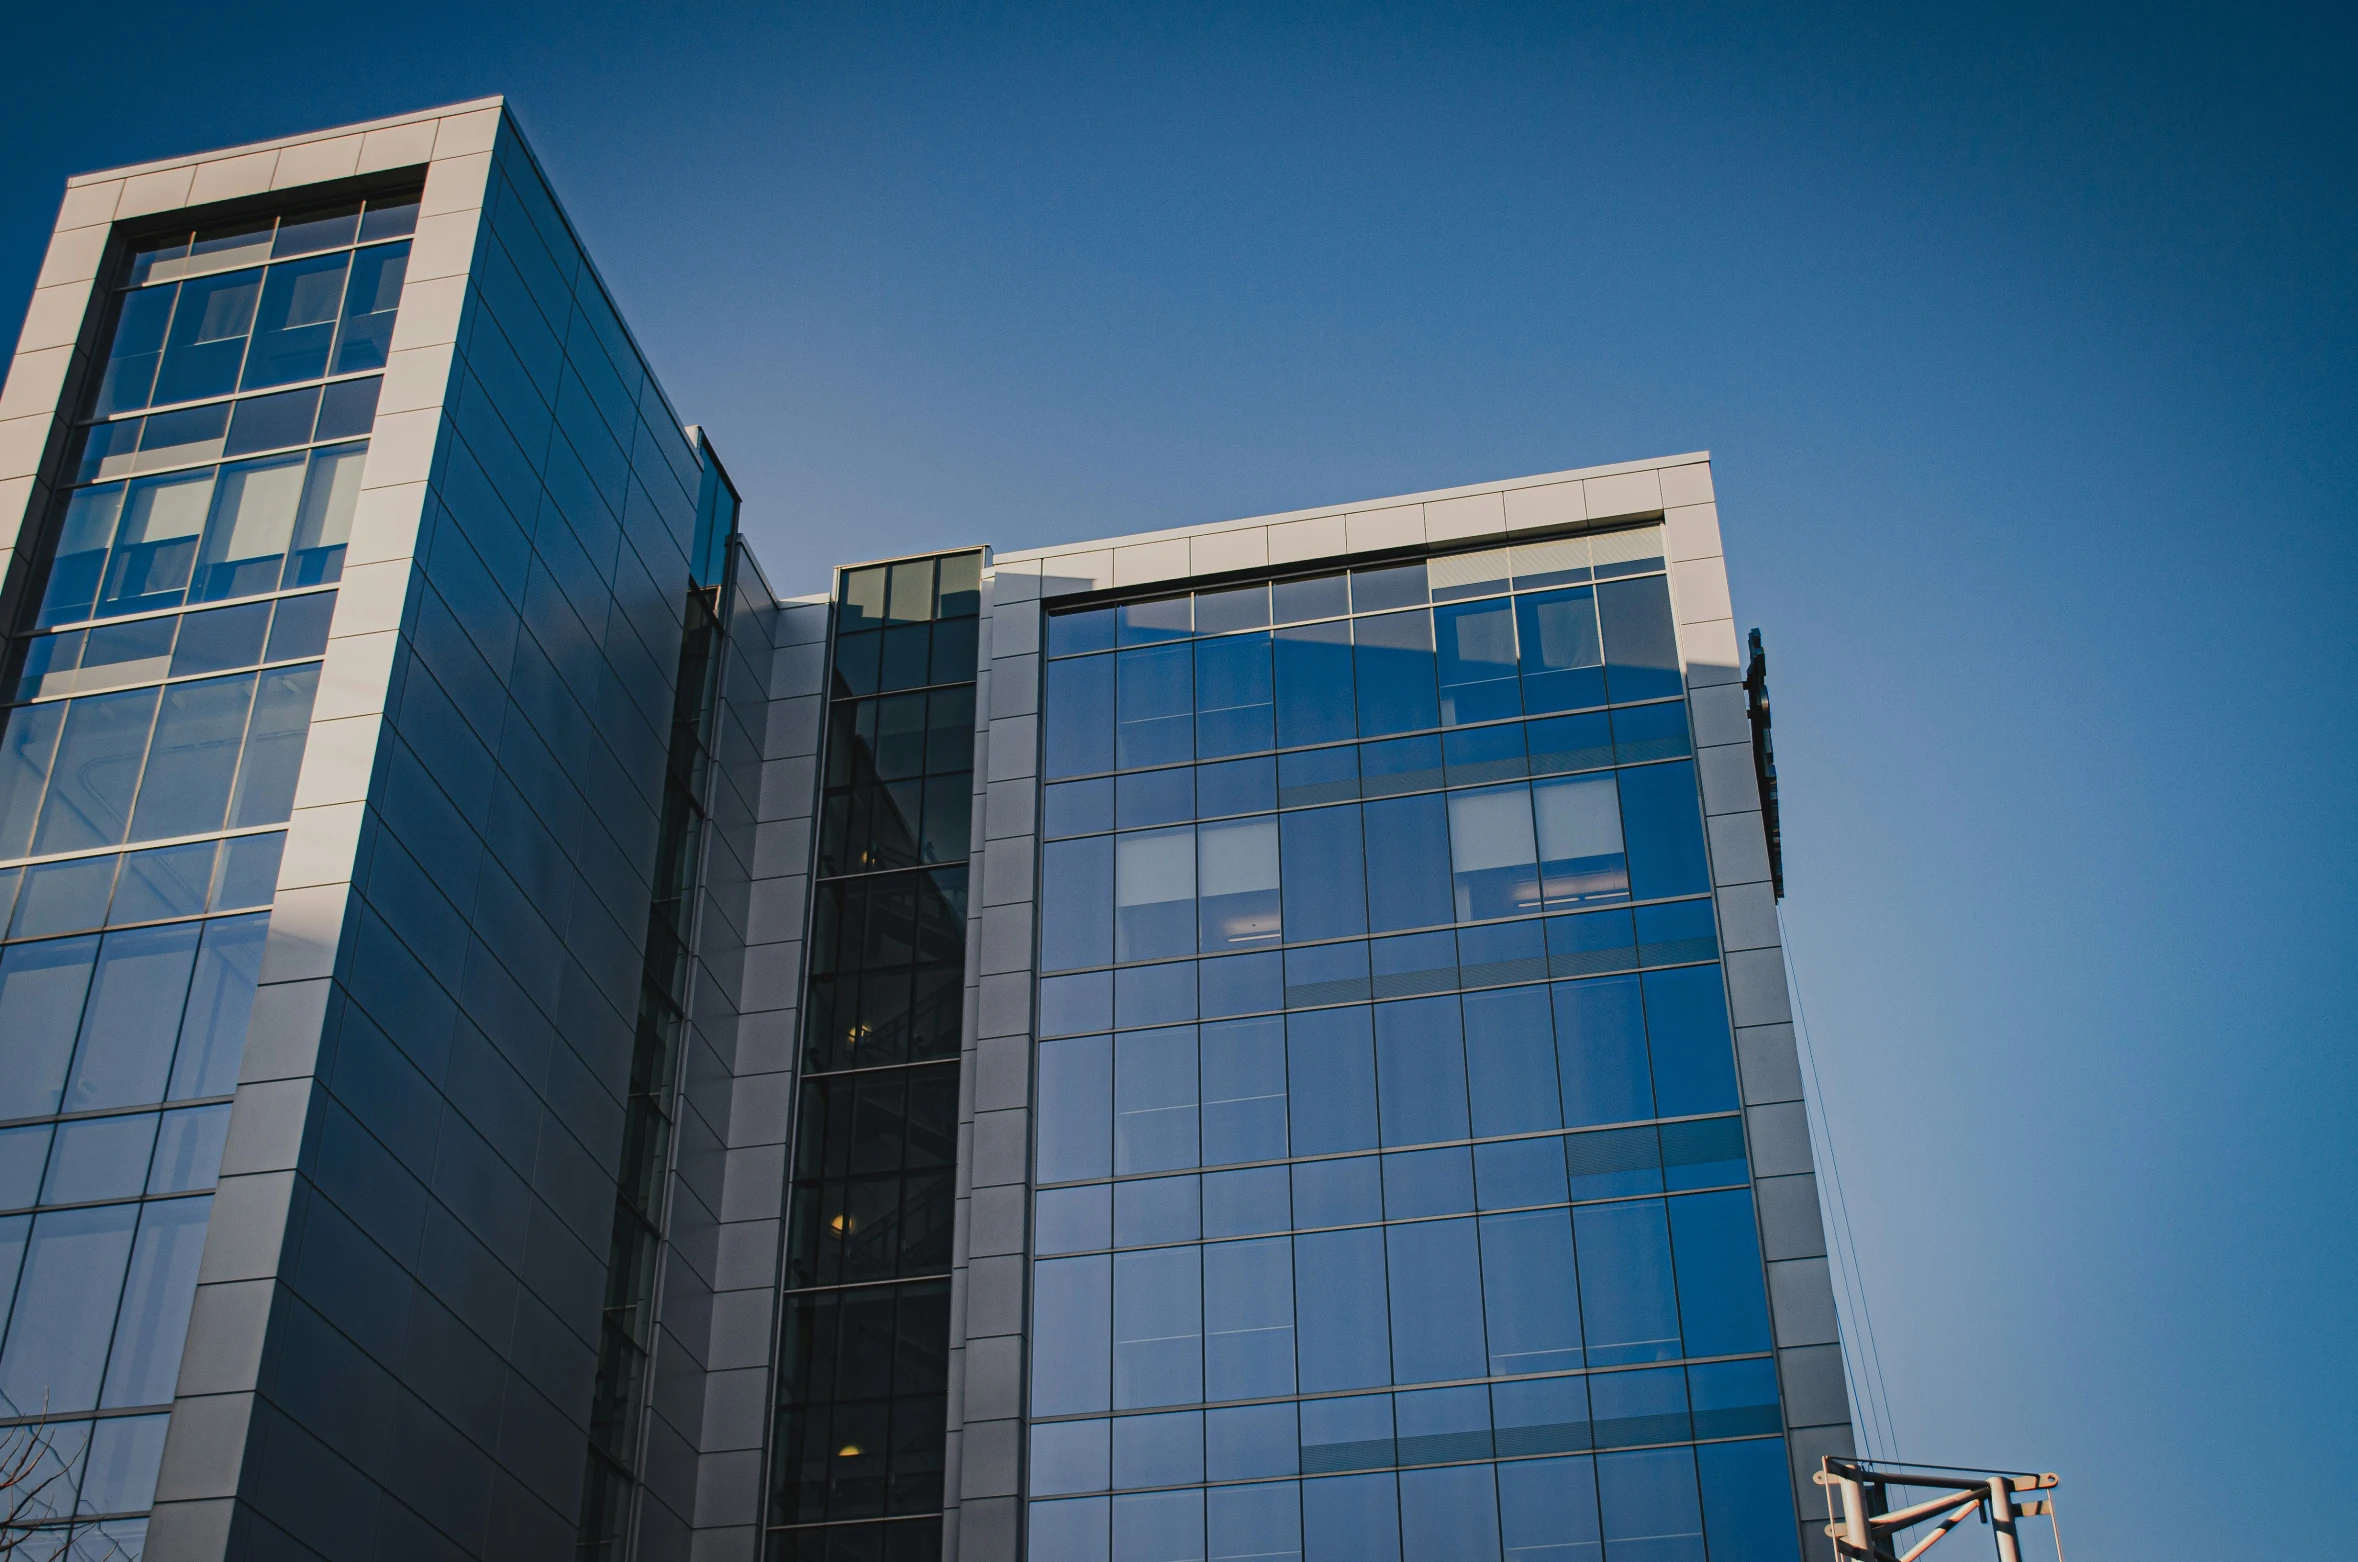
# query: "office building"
{"type": "Point", "coordinates": [1267, 1039]}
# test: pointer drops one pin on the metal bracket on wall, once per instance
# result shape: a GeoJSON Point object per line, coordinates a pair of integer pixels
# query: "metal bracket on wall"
{"type": "Point", "coordinates": [1764, 761]}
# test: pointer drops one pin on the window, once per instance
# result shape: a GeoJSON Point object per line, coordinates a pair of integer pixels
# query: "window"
{"type": "Point", "coordinates": [1386, 1062]}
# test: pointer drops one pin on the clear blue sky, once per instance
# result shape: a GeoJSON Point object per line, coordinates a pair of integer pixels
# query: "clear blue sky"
{"type": "Point", "coordinates": [2024, 345]}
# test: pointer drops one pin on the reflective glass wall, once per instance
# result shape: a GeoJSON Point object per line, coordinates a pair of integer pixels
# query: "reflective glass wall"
{"type": "Point", "coordinates": [158, 699]}
{"type": "Point", "coordinates": [863, 1354]}
{"type": "Point", "coordinates": [1392, 1193]}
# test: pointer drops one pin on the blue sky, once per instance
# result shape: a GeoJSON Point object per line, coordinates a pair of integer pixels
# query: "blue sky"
{"type": "Point", "coordinates": [2023, 342]}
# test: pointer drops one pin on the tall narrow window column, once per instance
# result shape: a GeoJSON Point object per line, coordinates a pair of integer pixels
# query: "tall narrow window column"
{"type": "Point", "coordinates": [857, 1448]}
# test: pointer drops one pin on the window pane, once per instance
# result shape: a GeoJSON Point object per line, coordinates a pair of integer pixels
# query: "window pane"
{"type": "Point", "coordinates": [247, 874]}
{"type": "Point", "coordinates": [1665, 824]}
{"type": "Point", "coordinates": [96, 772]}
{"type": "Point", "coordinates": [1254, 1523]}
{"type": "Point", "coordinates": [1735, 1398]}
{"type": "Point", "coordinates": [1719, 1285]}
{"type": "Point", "coordinates": [1234, 696]}
{"type": "Point", "coordinates": [265, 792]}
{"type": "Point", "coordinates": [369, 305]}
{"type": "Point", "coordinates": [1155, 994]}
{"type": "Point", "coordinates": [192, 758]}
{"type": "Point", "coordinates": [1330, 1066]}
{"type": "Point", "coordinates": [1340, 1317]}
{"type": "Point", "coordinates": [1476, 647]}
{"type": "Point", "coordinates": [1074, 1220]}
{"type": "Point", "coordinates": [255, 505]}
{"type": "Point", "coordinates": [1411, 837]}
{"type": "Point", "coordinates": [1076, 916]}
{"type": "Point", "coordinates": [63, 897]}
{"type": "Point", "coordinates": [155, 547]}
{"type": "Point", "coordinates": [222, 639]}
{"type": "Point", "coordinates": [1649, 1508]}
{"type": "Point", "coordinates": [1491, 852]}
{"type": "Point", "coordinates": [1511, 1061]}
{"type": "Point", "coordinates": [1078, 807]}
{"type": "Point", "coordinates": [80, 562]}
{"type": "Point", "coordinates": [1449, 1515]}
{"type": "Point", "coordinates": [137, 347]}
{"type": "Point", "coordinates": [54, 1465]}
{"type": "Point", "coordinates": [157, 1296]}
{"type": "Point", "coordinates": [1567, 743]}
{"type": "Point", "coordinates": [1298, 601]}
{"type": "Point", "coordinates": [1069, 1456]}
{"type": "Point", "coordinates": [1547, 1511]}
{"type": "Point", "coordinates": [1244, 1094]}
{"type": "Point", "coordinates": [1337, 1192]}
{"type": "Point", "coordinates": [317, 229]}
{"type": "Point", "coordinates": [1614, 1163]}
{"type": "Point", "coordinates": [65, 1307]}
{"type": "Point", "coordinates": [1154, 894]}
{"type": "Point", "coordinates": [207, 341]}
{"type": "Point", "coordinates": [1321, 870]}
{"type": "Point", "coordinates": [1076, 1108]}
{"type": "Point", "coordinates": [1687, 1027]}
{"type": "Point", "coordinates": [1251, 1440]}
{"type": "Point", "coordinates": [1747, 1501]}
{"type": "Point", "coordinates": [1348, 1434]}
{"type": "Point", "coordinates": [1530, 1290]}
{"type": "Point", "coordinates": [1627, 1304]}
{"type": "Point", "coordinates": [99, 1158]}
{"type": "Point", "coordinates": [125, 1452]}
{"type": "Point", "coordinates": [1645, 732]}
{"type": "Point", "coordinates": [1351, 1518]}
{"type": "Point", "coordinates": [1238, 884]}
{"type": "Point", "coordinates": [1486, 754]}
{"type": "Point", "coordinates": [1393, 657]}
{"type": "Point", "coordinates": [348, 408]}
{"type": "Point", "coordinates": [188, 1149]}
{"type": "Point", "coordinates": [296, 322]}
{"type": "Point", "coordinates": [1314, 695]}
{"type": "Point", "coordinates": [220, 1002]}
{"type": "Point", "coordinates": [1072, 1356]}
{"type": "Point", "coordinates": [1078, 735]}
{"type": "Point", "coordinates": [1073, 1531]}
{"type": "Point", "coordinates": [1641, 647]}
{"type": "Point", "coordinates": [1430, 1183]}
{"type": "Point", "coordinates": [1249, 1323]}
{"type": "Point", "coordinates": [1561, 655]}
{"type": "Point", "coordinates": [1155, 711]}
{"type": "Point", "coordinates": [1632, 1409]}
{"type": "Point", "coordinates": [1155, 1100]}
{"type": "Point", "coordinates": [127, 1031]}
{"type": "Point", "coordinates": [1421, 1070]}
{"type": "Point", "coordinates": [1601, 1052]}
{"type": "Point", "coordinates": [1158, 1328]}
{"type": "Point", "coordinates": [1436, 1289]}
{"type": "Point", "coordinates": [1579, 826]}
{"type": "Point", "coordinates": [41, 991]}
{"type": "Point", "coordinates": [24, 1154]}
{"type": "Point", "coordinates": [331, 491]}
{"type": "Point", "coordinates": [117, 654]}
{"type": "Point", "coordinates": [26, 745]}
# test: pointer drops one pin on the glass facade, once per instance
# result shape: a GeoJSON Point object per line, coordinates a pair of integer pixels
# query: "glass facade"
{"type": "Point", "coordinates": [626, 1338]}
{"type": "Point", "coordinates": [864, 1343]}
{"type": "Point", "coordinates": [1392, 1193]}
{"type": "Point", "coordinates": [160, 690]}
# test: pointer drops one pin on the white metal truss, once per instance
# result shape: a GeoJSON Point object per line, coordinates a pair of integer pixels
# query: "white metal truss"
{"type": "Point", "coordinates": [1864, 1531]}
